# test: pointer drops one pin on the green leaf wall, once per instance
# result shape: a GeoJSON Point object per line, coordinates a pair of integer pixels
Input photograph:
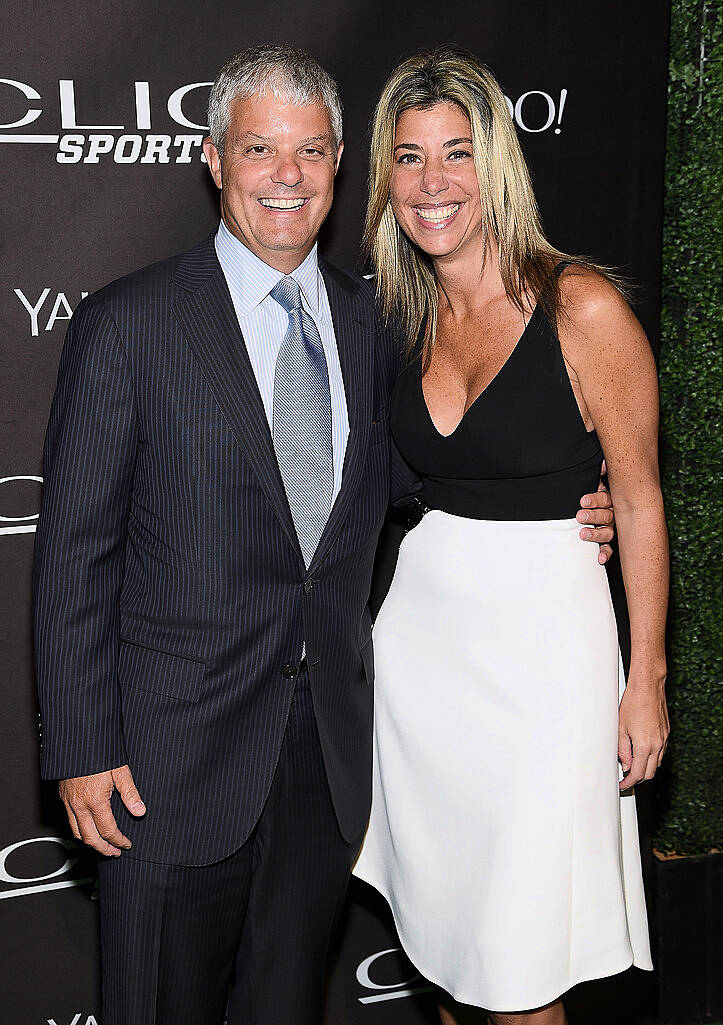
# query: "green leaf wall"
{"type": "Point", "coordinates": [690, 788]}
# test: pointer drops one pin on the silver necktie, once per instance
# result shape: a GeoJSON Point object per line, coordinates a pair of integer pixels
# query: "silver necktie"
{"type": "Point", "coordinates": [302, 420]}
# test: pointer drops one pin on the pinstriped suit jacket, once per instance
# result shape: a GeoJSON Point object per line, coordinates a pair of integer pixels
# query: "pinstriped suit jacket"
{"type": "Point", "coordinates": [170, 590]}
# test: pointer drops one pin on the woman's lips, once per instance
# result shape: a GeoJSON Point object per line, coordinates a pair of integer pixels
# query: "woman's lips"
{"type": "Point", "coordinates": [437, 217]}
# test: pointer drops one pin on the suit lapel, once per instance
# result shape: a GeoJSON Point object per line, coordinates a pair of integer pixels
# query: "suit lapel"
{"type": "Point", "coordinates": [355, 336]}
{"type": "Point", "coordinates": [206, 313]}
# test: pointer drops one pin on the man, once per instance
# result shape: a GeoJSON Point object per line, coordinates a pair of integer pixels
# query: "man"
{"type": "Point", "coordinates": [216, 475]}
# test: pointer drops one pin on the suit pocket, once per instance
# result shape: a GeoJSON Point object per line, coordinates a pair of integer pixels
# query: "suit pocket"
{"type": "Point", "coordinates": [160, 672]}
{"type": "Point", "coordinates": [365, 628]}
{"type": "Point", "coordinates": [379, 427]}
{"type": "Point", "coordinates": [367, 657]}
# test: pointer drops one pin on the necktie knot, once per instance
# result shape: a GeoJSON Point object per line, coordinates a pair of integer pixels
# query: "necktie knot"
{"type": "Point", "coordinates": [287, 294]}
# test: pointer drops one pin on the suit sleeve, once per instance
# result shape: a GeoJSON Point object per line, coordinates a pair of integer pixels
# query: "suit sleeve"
{"type": "Point", "coordinates": [88, 466]}
{"type": "Point", "coordinates": [404, 482]}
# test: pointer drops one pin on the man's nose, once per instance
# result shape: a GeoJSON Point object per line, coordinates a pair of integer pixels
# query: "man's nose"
{"type": "Point", "coordinates": [287, 172]}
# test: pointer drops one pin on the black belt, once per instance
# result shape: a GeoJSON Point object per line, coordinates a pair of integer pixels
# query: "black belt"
{"type": "Point", "coordinates": [413, 513]}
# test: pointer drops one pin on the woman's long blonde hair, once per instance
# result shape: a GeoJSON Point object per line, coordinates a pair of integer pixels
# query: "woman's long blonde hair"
{"type": "Point", "coordinates": [406, 284]}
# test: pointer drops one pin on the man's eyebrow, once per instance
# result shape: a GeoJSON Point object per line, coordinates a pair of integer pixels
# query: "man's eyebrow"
{"type": "Point", "coordinates": [267, 138]}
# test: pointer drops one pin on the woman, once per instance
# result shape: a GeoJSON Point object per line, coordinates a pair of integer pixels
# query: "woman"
{"type": "Point", "coordinates": [501, 832]}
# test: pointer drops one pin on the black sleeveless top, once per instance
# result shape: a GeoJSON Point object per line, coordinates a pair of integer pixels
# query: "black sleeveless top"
{"type": "Point", "coordinates": [520, 452]}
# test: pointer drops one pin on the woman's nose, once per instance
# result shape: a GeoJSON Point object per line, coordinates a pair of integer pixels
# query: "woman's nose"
{"type": "Point", "coordinates": [433, 179]}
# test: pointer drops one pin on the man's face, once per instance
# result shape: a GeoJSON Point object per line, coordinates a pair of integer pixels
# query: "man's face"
{"type": "Point", "coordinates": [276, 177]}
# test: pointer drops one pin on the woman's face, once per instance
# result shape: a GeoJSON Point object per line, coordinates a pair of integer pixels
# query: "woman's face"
{"type": "Point", "coordinates": [434, 190]}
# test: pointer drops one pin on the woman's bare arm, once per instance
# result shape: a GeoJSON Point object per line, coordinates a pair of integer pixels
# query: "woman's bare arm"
{"type": "Point", "coordinates": [605, 345]}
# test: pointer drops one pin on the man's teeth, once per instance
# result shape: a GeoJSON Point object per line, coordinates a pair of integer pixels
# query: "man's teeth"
{"type": "Point", "coordinates": [440, 213]}
{"type": "Point", "coordinates": [282, 204]}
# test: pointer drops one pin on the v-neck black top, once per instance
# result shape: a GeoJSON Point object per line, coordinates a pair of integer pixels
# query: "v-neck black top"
{"type": "Point", "coordinates": [520, 452]}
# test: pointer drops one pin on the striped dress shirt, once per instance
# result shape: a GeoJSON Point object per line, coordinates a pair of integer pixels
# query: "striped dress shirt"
{"type": "Point", "coordinates": [264, 322]}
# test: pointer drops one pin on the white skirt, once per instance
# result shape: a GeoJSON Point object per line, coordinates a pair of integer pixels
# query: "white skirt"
{"type": "Point", "coordinates": [498, 833]}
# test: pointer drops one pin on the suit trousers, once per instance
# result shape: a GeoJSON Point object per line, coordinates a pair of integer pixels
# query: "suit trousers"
{"type": "Point", "coordinates": [248, 935]}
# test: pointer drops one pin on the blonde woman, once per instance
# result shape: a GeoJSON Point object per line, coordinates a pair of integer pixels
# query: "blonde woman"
{"type": "Point", "coordinates": [503, 830]}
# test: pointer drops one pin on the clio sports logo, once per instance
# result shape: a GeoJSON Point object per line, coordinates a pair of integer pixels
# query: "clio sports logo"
{"type": "Point", "coordinates": [55, 119]}
{"type": "Point", "coordinates": [381, 990]}
{"type": "Point", "coordinates": [40, 864]}
{"type": "Point", "coordinates": [19, 493]}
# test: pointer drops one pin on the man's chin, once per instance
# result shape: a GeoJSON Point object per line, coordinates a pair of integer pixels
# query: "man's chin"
{"type": "Point", "coordinates": [282, 242]}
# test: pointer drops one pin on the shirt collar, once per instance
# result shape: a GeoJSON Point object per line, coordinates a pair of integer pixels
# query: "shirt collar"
{"type": "Point", "coordinates": [250, 279]}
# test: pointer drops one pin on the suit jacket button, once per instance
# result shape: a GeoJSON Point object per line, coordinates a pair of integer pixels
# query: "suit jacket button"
{"type": "Point", "coordinates": [308, 586]}
{"type": "Point", "coordinates": [289, 671]}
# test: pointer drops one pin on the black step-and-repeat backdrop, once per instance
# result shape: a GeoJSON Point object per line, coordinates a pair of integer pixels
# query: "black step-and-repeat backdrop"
{"type": "Point", "coordinates": [102, 114]}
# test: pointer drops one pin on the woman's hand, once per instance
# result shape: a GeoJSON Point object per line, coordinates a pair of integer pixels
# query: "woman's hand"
{"type": "Point", "coordinates": [643, 728]}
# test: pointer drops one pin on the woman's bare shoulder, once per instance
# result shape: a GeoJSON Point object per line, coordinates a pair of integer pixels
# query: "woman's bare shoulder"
{"type": "Point", "coordinates": [589, 297]}
{"type": "Point", "coordinates": [593, 309]}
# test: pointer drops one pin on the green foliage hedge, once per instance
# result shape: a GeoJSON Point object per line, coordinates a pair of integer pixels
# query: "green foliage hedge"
{"type": "Point", "coordinates": [690, 818]}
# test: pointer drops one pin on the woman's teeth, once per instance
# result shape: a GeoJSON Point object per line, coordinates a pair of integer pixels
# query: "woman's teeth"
{"type": "Point", "coordinates": [282, 204]}
{"type": "Point", "coordinates": [435, 217]}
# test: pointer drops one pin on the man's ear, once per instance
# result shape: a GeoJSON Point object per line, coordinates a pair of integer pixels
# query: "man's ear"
{"type": "Point", "coordinates": [213, 159]}
{"type": "Point", "coordinates": [338, 157]}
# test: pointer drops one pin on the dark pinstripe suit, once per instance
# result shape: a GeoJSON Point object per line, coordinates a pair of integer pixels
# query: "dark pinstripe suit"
{"type": "Point", "coordinates": [170, 591]}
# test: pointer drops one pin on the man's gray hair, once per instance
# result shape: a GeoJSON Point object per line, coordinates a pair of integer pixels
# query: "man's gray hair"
{"type": "Point", "coordinates": [286, 73]}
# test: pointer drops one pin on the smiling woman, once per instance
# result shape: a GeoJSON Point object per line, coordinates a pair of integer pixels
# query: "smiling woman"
{"type": "Point", "coordinates": [503, 832]}
{"type": "Point", "coordinates": [481, 158]}
{"type": "Point", "coordinates": [426, 170]}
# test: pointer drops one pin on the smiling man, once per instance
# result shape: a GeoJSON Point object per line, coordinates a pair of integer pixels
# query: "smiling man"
{"type": "Point", "coordinates": [217, 471]}
{"type": "Point", "coordinates": [274, 162]}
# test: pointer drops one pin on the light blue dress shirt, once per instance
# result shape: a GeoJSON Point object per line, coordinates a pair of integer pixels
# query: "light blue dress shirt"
{"type": "Point", "coordinates": [264, 322]}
